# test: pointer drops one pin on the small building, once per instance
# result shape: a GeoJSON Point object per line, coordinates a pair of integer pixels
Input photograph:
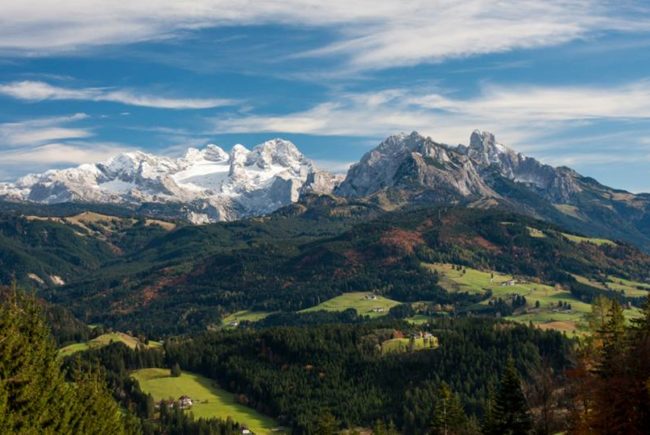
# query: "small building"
{"type": "Point", "coordinates": [371, 297]}
{"type": "Point", "coordinates": [185, 402]}
{"type": "Point", "coordinates": [378, 310]}
{"type": "Point", "coordinates": [509, 283]}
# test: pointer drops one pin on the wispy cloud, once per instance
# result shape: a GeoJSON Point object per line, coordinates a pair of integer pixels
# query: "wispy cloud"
{"type": "Point", "coordinates": [38, 131]}
{"type": "Point", "coordinates": [36, 145]}
{"type": "Point", "coordinates": [40, 91]}
{"type": "Point", "coordinates": [370, 34]}
{"type": "Point", "coordinates": [520, 114]}
{"type": "Point", "coordinates": [51, 155]}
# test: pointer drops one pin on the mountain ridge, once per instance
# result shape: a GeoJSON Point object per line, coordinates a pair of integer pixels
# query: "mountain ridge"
{"type": "Point", "coordinates": [405, 170]}
{"type": "Point", "coordinates": [213, 185]}
{"type": "Point", "coordinates": [413, 170]}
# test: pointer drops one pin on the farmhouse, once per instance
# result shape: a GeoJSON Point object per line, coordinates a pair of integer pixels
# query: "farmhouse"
{"type": "Point", "coordinates": [370, 297]}
{"type": "Point", "coordinates": [185, 402]}
{"type": "Point", "coordinates": [509, 283]}
{"type": "Point", "coordinates": [378, 310]}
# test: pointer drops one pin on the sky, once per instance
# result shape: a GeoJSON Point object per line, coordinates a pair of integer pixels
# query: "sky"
{"type": "Point", "coordinates": [565, 81]}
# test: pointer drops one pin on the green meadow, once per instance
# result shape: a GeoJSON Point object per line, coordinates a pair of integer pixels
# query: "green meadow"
{"type": "Point", "coordinates": [104, 340]}
{"type": "Point", "coordinates": [210, 401]}
{"type": "Point", "coordinates": [593, 240]}
{"type": "Point", "coordinates": [245, 315]}
{"type": "Point", "coordinates": [547, 315]}
{"type": "Point", "coordinates": [400, 345]}
{"type": "Point", "coordinates": [629, 288]}
{"type": "Point", "coordinates": [360, 301]}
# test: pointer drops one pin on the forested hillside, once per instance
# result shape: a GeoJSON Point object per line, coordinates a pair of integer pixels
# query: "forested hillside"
{"type": "Point", "coordinates": [302, 374]}
{"type": "Point", "coordinates": [191, 277]}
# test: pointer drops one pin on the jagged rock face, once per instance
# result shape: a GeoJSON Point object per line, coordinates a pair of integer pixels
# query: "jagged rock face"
{"type": "Point", "coordinates": [555, 184]}
{"type": "Point", "coordinates": [462, 172]}
{"type": "Point", "coordinates": [212, 184]}
{"type": "Point", "coordinates": [413, 160]}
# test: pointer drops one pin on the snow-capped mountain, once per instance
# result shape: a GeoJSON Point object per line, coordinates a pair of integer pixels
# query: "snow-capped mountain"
{"type": "Point", "coordinates": [211, 184]}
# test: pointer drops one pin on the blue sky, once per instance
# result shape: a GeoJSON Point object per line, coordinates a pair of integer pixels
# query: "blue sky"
{"type": "Point", "coordinates": [567, 81]}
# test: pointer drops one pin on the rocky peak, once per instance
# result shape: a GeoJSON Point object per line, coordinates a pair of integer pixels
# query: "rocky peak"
{"type": "Point", "coordinates": [210, 183]}
{"type": "Point", "coordinates": [484, 149]}
{"type": "Point", "coordinates": [276, 152]}
{"type": "Point", "coordinates": [211, 152]}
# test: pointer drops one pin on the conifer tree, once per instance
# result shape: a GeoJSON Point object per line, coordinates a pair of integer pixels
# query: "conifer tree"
{"type": "Point", "coordinates": [488, 423]}
{"type": "Point", "coordinates": [326, 424]}
{"type": "Point", "coordinates": [449, 417]}
{"type": "Point", "coordinates": [510, 414]}
{"type": "Point", "coordinates": [34, 396]}
{"type": "Point", "coordinates": [175, 370]}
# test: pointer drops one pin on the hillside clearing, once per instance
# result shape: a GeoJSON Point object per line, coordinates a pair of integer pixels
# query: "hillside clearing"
{"type": "Point", "coordinates": [105, 340]}
{"type": "Point", "coordinates": [549, 313]}
{"type": "Point", "coordinates": [365, 303]}
{"type": "Point", "coordinates": [234, 319]}
{"type": "Point", "coordinates": [210, 401]}
{"type": "Point", "coordinates": [593, 240]}
{"type": "Point", "coordinates": [401, 345]}
{"type": "Point", "coordinates": [629, 288]}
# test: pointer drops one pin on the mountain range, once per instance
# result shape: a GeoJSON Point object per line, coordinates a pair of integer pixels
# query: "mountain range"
{"type": "Point", "coordinates": [405, 170]}
{"type": "Point", "coordinates": [210, 184]}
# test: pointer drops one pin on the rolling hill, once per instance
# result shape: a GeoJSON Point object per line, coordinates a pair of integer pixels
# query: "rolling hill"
{"type": "Point", "coordinates": [293, 260]}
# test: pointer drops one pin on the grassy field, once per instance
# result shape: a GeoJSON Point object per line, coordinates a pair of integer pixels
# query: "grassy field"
{"type": "Point", "coordinates": [629, 288]}
{"type": "Point", "coordinates": [246, 315]}
{"type": "Point", "coordinates": [209, 400]}
{"type": "Point", "coordinates": [419, 319]}
{"type": "Point", "coordinates": [476, 281]}
{"type": "Point", "coordinates": [534, 232]}
{"type": "Point", "coordinates": [104, 340]}
{"type": "Point", "coordinates": [594, 240]}
{"type": "Point", "coordinates": [400, 345]}
{"type": "Point", "coordinates": [360, 301]}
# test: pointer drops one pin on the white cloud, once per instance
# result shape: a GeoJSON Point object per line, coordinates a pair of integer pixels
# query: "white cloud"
{"type": "Point", "coordinates": [519, 115]}
{"type": "Point", "coordinates": [36, 145]}
{"type": "Point", "coordinates": [370, 33]}
{"type": "Point", "coordinates": [59, 154]}
{"type": "Point", "coordinates": [38, 131]}
{"type": "Point", "coordinates": [39, 91]}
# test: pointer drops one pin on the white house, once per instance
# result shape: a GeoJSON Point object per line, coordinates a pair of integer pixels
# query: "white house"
{"type": "Point", "coordinates": [185, 402]}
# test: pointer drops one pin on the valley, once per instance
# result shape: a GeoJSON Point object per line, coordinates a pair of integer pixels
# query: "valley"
{"type": "Point", "coordinates": [329, 308]}
{"type": "Point", "coordinates": [297, 217]}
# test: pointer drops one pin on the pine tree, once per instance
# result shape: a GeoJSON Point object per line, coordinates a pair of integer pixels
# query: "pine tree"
{"type": "Point", "coordinates": [488, 423]}
{"type": "Point", "coordinates": [175, 370]}
{"type": "Point", "coordinates": [326, 424]}
{"type": "Point", "coordinates": [34, 396]}
{"type": "Point", "coordinates": [613, 341]}
{"type": "Point", "coordinates": [510, 412]}
{"type": "Point", "coordinates": [449, 416]}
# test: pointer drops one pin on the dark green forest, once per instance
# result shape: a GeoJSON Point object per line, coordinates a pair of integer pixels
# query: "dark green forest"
{"type": "Point", "coordinates": [147, 280]}
{"type": "Point", "coordinates": [315, 372]}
